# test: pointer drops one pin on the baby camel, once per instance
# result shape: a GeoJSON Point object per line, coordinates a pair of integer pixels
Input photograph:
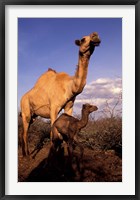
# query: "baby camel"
{"type": "Point", "coordinates": [68, 126]}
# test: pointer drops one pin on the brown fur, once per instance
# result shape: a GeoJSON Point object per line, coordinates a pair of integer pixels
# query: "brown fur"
{"type": "Point", "coordinates": [56, 91]}
{"type": "Point", "coordinates": [69, 126]}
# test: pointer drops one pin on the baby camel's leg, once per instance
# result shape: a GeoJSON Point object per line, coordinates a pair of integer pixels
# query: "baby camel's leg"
{"type": "Point", "coordinates": [77, 143]}
{"type": "Point", "coordinates": [79, 158]}
{"type": "Point", "coordinates": [70, 148]}
{"type": "Point", "coordinates": [56, 140]}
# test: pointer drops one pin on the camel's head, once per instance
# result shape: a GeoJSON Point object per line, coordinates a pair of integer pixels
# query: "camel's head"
{"type": "Point", "coordinates": [89, 108]}
{"type": "Point", "coordinates": [88, 43]}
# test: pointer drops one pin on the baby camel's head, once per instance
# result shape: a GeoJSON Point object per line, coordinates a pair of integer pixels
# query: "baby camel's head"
{"type": "Point", "coordinates": [89, 108]}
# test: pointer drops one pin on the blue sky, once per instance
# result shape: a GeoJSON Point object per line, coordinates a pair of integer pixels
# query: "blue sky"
{"type": "Point", "coordinates": [49, 42]}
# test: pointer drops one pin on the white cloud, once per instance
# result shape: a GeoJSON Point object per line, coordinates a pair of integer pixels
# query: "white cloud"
{"type": "Point", "coordinates": [102, 81]}
{"type": "Point", "coordinates": [99, 92]}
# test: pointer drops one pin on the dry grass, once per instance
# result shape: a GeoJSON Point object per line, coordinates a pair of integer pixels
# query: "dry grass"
{"type": "Point", "coordinates": [103, 134]}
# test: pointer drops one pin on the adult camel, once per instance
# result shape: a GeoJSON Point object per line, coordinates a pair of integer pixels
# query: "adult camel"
{"type": "Point", "coordinates": [56, 91]}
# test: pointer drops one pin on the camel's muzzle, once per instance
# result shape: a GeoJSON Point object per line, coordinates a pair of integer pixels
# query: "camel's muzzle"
{"type": "Point", "coordinates": [96, 43]}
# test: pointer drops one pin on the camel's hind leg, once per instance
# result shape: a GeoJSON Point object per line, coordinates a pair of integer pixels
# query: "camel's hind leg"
{"type": "Point", "coordinates": [26, 122]}
{"type": "Point", "coordinates": [26, 119]}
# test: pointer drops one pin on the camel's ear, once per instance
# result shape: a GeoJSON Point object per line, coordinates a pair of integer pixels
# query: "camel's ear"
{"type": "Point", "coordinates": [77, 42]}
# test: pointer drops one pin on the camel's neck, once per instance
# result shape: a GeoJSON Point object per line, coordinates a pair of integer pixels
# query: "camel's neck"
{"type": "Point", "coordinates": [84, 120]}
{"type": "Point", "coordinates": [81, 73]}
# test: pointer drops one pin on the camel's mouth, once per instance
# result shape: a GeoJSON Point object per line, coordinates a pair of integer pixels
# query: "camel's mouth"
{"type": "Point", "coordinates": [95, 108]}
{"type": "Point", "coordinates": [95, 39]}
{"type": "Point", "coordinates": [96, 43]}
{"type": "Point", "coordinates": [90, 108]}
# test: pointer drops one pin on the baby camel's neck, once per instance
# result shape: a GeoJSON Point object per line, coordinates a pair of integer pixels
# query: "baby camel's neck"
{"type": "Point", "coordinates": [84, 119]}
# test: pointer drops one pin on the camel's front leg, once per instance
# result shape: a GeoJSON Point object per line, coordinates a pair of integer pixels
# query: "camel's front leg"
{"type": "Point", "coordinates": [69, 107]}
{"type": "Point", "coordinates": [54, 113]}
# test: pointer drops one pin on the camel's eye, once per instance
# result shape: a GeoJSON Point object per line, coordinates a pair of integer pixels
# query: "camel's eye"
{"type": "Point", "coordinates": [82, 40]}
{"type": "Point", "coordinates": [84, 105]}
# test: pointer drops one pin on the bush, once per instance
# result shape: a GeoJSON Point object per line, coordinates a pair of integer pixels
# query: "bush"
{"type": "Point", "coordinates": [38, 133]}
{"type": "Point", "coordinates": [103, 134]}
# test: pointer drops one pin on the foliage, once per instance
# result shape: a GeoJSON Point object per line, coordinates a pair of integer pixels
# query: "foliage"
{"type": "Point", "coordinates": [103, 134]}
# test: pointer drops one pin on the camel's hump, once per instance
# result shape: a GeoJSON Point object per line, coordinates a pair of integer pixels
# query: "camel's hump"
{"type": "Point", "coordinates": [50, 69]}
